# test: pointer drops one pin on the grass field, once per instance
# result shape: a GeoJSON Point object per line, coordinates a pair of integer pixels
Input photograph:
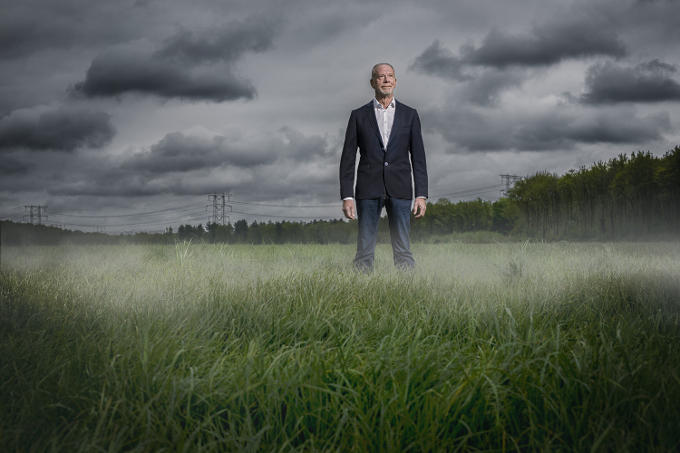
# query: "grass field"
{"type": "Point", "coordinates": [491, 347]}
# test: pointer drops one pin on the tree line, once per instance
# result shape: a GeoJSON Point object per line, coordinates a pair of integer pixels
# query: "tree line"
{"type": "Point", "coordinates": [627, 197]}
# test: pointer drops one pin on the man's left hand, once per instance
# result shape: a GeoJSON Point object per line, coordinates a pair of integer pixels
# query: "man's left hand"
{"type": "Point", "coordinates": [419, 207]}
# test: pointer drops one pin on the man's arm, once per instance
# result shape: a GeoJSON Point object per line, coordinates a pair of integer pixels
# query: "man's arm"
{"type": "Point", "coordinates": [418, 162]}
{"type": "Point", "coordinates": [347, 164]}
{"type": "Point", "coordinates": [419, 165]}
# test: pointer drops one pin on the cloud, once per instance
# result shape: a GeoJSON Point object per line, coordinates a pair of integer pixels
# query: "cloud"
{"type": "Point", "coordinates": [189, 65]}
{"type": "Point", "coordinates": [652, 81]}
{"type": "Point", "coordinates": [37, 28]}
{"type": "Point", "coordinates": [177, 152]}
{"type": "Point", "coordinates": [28, 27]}
{"type": "Point", "coordinates": [440, 61]}
{"type": "Point", "coordinates": [556, 129]}
{"type": "Point", "coordinates": [225, 43]}
{"type": "Point", "coordinates": [297, 146]}
{"type": "Point", "coordinates": [502, 59]}
{"type": "Point", "coordinates": [57, 129]}
{"type": "Point", "coordinates": [486, 88]}
{"type": "Point", "coordinates": [10, 166]}
{"type": "Point", "coordinates": [200, 162]}
{"type": "Point", "coordinates": [118, 72]}
{"type": "Point", "coordinates": [481, 86]}
{"type": "Point", "coordinates": [545, 45]}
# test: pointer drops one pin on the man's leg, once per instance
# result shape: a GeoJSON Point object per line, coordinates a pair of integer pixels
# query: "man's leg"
{"type": "Point", "coordinates": [368, 212]}
{"type": "Point", "coordinates": [399, 216]}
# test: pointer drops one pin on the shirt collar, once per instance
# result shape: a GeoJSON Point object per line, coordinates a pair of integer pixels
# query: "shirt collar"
{"type": "Point", "coordinates": [378, 105]}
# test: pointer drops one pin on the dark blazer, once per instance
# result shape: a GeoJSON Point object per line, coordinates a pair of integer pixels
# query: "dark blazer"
{"type": "Point", "coordinates": [383, 172]}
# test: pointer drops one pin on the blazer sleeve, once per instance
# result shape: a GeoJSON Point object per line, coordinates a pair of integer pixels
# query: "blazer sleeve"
{"type": "Point", "coordinates": [348, 158]}
{"type": "Point", "coordinates": [418, 158]}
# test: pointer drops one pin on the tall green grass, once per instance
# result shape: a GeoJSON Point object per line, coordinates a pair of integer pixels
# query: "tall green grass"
{"type": "Point", "coordinates": [491, 347]}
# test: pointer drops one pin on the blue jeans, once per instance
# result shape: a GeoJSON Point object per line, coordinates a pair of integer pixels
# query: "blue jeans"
{"type": "Point", "coordinates": [399, 218]}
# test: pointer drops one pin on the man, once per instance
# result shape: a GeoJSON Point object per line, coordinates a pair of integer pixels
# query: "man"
{"type": "Point", "coordinates": [387, 134]}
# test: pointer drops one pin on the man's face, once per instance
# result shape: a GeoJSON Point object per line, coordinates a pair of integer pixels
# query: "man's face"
{"type": "Point", "coordinates": [384, 81]}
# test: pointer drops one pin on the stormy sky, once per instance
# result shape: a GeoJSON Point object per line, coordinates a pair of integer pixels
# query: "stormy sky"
{"type": "Point", "coordinates": [125, 116]}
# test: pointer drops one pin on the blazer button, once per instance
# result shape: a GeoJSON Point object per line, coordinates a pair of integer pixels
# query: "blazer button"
{"type": "Point", "coordinates": [386, 164]}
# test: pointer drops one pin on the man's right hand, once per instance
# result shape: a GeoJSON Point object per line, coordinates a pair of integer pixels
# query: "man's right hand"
{"type": "Point", "coordinates": [348, 209]}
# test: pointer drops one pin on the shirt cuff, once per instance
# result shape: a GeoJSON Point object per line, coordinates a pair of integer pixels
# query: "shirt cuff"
{"type": "Point", "coordinates": [422, 196]}
{"type": "Point", "coordinates": [348, 198]}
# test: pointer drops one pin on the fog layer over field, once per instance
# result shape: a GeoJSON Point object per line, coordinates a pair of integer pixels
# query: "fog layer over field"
{"type": "Point", "coordinates": [485, 346]}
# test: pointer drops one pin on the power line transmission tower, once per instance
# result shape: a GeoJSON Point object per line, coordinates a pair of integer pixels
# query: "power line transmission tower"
{"type": "Point", "coordinates": [219, 207]}
{"type": "Point", "coordinates": [508, 181]}
{"type": "Point", "coordinates": [224, 206]}
{"type": "Point", "coordinates": [35, 214]}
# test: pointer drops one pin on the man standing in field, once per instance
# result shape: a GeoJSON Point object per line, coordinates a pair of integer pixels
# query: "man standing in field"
{"type": "Point", "coordinates": [387, 135]}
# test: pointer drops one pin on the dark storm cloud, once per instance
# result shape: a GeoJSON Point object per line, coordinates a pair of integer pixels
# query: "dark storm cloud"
{"type": "Point", "coordinates": [118, 72]}
{"type": "Point", "coordinates": [10, 166]}
{"type": "Point", "coordinates": [18, 39]}
{"type": "Point", "coordinates": [482, 87]}
{"type": "Point", "coordinates": [225, 43]}
{"type": "Point", "coordinates": [177, 152]}
{"type": "Point", "coordinates": [498, 62]}
{"type": "Point", "coordinates": [652, 81]}
{"type": "Point", "coordinates": [180, 152]}
{"type": "Point", "coordinates": [485, 88]}
{"type": "Point", "coordinates": [28, 26]}
{"type": "Point", "coordinates": [31, 27]}
{"type": "Point", "coordinates": [544, 45]}
{"type": "Point", "coordinates": [440, 61]}
{"type": "Point", "coordinates": [182, 163]}
{"type": "Point", "coordinates": [184, 67]}
{"type": "Point", "coordinates": [59, 129]}
{"type": "Point", "coordinates": [557, 129]}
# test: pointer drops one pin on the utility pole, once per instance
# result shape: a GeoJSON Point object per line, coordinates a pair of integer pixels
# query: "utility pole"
{"type": "Point", "coordinates": [219, 207]}
{"type": "Point", "coordinates": [508, 181]}
{"type": "Point", "coordinates": [219, 210]}
{"type": "Point", "coordinates": [35, 214]}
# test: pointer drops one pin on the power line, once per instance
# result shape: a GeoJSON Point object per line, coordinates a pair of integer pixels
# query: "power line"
{"type": "Point", "coordinates": [326, 205]}
{"type": "Point", "coordinates": [509, 182]}
{"type": "Point", "coordinates": [195, 216]}
{"type": "Point", "coordinates": [139, 214]}
{"type": "Point", "coordinates": [284, 216]}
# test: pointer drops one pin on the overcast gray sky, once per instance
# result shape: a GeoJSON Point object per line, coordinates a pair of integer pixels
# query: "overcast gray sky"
{"type": "Point", "coordinates": [126, 107]}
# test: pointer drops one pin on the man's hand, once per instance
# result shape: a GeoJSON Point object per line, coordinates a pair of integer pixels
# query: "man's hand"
{"type": "Point", "coordinates": [419, 207]}
{"type": "Point", "coordinates": [348, 209]}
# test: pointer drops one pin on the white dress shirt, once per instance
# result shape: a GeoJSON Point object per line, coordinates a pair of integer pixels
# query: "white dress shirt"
{"type": "Point", "coordinates": [385, 118]}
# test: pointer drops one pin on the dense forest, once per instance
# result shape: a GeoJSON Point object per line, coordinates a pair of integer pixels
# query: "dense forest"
{"type": "Point", "coordinates": [624, 198]}
{"type": "Point", "coordinates": [628, 197]}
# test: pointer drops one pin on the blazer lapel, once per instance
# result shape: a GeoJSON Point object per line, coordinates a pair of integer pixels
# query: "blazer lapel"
{"type": "Point", "coordinates": [370, 111]}
{"type": "Point", "coordinates": [397, 119]}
